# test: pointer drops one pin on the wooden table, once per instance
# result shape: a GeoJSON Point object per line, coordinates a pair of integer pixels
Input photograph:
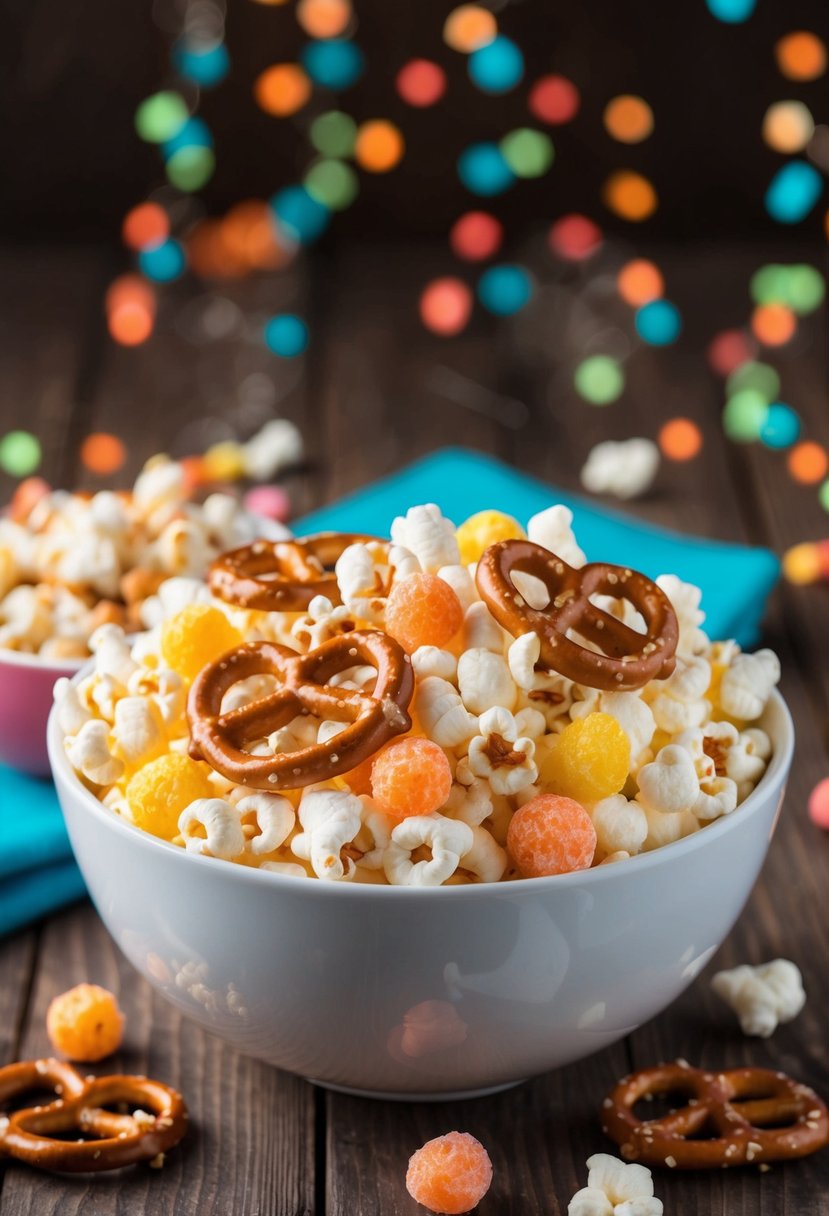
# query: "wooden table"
{"type": "Point", "coordinates": [375, 392]}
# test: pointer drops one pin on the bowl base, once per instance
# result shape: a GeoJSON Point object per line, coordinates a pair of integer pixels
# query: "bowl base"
{"type": "Point", "coordinates": [457, 1095]}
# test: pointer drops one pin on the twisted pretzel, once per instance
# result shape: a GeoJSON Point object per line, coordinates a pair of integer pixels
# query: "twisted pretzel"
{"type": "Point", "coordinates": [374, 717]}
{"type": "Point", "coordinates": [627, 659]}
{"type": "Point", "coordinates": [755, 1115]}
{"type": "Point", "coordinates": [115, 1140]}
{"type": "Point", "coordinates": [283, 575]}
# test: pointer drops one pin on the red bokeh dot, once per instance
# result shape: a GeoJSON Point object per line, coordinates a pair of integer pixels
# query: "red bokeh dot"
{"type": "Point", "coordinates": [575, 237]}
{"type": "Point", "coordinates": [730, 350]}
{"type": "Point", "coordinates": [476, 236]}
{"type": "Point", "coordinates": [445, 306]}
{"type": "Point", "coordinates": [145, 226]}
{"type": "Point", "coordinates": [554, 100]}
{"type": "Point", "coordinates": [421, 83]}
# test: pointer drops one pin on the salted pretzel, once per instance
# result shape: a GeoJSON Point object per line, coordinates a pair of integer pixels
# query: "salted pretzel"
{"type": "Point", "coordinates": [282, 575]}
{"type": "Point", "coordinates": [106, 1141]}
{"type": "Point", "coordinates": [753, 1115]}
{"type": "Point", "coordinates": [627, 659]}
{"type": "Point", "coordinates": [374, 717]}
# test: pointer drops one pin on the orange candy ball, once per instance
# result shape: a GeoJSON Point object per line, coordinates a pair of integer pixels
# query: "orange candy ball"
{"type": "Point", "coordinates": [551, 835]}
{"type": "Point", "coordinates": [423, 610]}
{"type": "Point", "coordinates": [450, 1174]}
{"type": "Point", "coordinates": [85, 1023]}
{"type": "Point", "coordinates": [411, 777]}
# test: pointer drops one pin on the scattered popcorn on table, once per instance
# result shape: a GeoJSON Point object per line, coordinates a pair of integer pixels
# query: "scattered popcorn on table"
{"type": "Point", "coordinates": [509, 769]}
{"type": "Point", "coordinates": [763, 997]}
{"type": "Point", "coordinates": [615, 1189]}
{"type": "Point", "coordinates": [625, 469]}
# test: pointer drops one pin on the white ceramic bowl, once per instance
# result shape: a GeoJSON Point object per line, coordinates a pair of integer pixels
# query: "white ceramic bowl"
{"type": "Point", "coordinates": [26, 683]}
{"type": "Point", "coordinates": [401, 992]}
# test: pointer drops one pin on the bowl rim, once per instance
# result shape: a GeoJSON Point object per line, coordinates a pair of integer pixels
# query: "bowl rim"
{"type": "Point", "coordinates": [24, 658]}
{"type": "Point", "coordinates": [776, 772]}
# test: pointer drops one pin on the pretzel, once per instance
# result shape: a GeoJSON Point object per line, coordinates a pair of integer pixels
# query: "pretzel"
{"type": "Point", "coordinates": [756, 1115]}
{"type": "Point", "coordinates": [283, 575]}
{"type": "Point", "coordinates": [627, 659]}
{"type": "Point", "coordinates": [374, 717]}
{"type": "Point", "coordinates": [79, 1106]}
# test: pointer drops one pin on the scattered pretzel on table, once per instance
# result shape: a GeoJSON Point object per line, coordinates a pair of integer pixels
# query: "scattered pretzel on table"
{"type": "Point", "coordinates": [627, 659]}
{"type": "Point", "coordinates": [28, 1134]}
{"type": "Point", "coordinates": [757, 1115]}
{"type": "Point", "coordinates": [373, 717]}
{"type": "Point", "coordinates": [283, 575]}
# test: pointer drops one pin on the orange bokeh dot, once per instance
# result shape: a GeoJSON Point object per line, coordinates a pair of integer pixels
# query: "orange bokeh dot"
{"type": "Point", "coordinates": [282, 89]}
{"type": "Point", "coordinates": [469, 27]}
{"type": "Point", "coordinates": [801, 56]}
{"type": "Point", "coordinates": [445, 306]}
{"type": "Point", "coordinates": [249, 236]}
{"type": "Point", "coordinates": [102, 453]}
{"type": "Point", "coordinates": [130, 323]}
{"type": "Point", "coordinates": [639, 282]}
{"type": "Point", "coordinates": [773, 324]}
{"type": "Point", "coordinates": [630, 195]}
{"type": "Point", "coordinates": [628, 119]}
{"type": "Point", "coordinates": [421, 83]}
{"type": "Point", "coordinates": [323, 18]}
{"type": "Point", "coordinates": [145, 225]}
{"type": "Point", "coordinates": [680, 439]}
{"type": "Point", "coordinates": [379, 146]}
{"type": "Point", "coordinates": [129, 289]}
{"type": "Point", "coordinates": [808, 463]}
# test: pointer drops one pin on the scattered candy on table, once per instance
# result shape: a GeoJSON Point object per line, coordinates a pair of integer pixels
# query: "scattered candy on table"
{"type": "Point", "coordinates": [85, 1023]}
{"type": "Point", "coordinates": [450, 1174]}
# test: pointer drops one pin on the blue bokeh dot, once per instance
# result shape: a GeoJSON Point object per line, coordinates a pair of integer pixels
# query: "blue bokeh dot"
{"type": "Point", "coordinates": [286, 335]}
{"type": "Point", "coordinates": [658, 323]}
{"type": "Point", "coordinates": [732, 12]}
{"type": "Point", "coordinates": [301, 217]}
{"type": "Point", "coordinates": [504, 290]}
{"type": "Point", "coordinates": [793, 192]}
{"type": "Point", "coordinates": [781, 427]}
{"type": "Point", "coordinates": [194, 133]}
{"type": "Point", "coordinates": [205, 66]}
{"type": "Point", "coordinates": [163, 263]}
{"type": "Point", "coordinates": [483, 170]}
{"type": "Point", "coordinates": [333, 62]}
{"type": "Point", "coordinates": [497, 67]}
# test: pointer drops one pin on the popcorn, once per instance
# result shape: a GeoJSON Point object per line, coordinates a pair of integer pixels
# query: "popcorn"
{"type": "Point", "coordinates": [112, 654]}
{"type": "Point", "coordinates": [748, 683]}
{"type": "Point", "coordinates": [365, 574]}
{"type": "Point", "coordinates": [470, 798]}
{"type": "Point", "coordinates": [482, 631]}
{"type": "Point", "coordinates": [138, 731]}
{"type": "Point", "coordinates": [331, 819]}
{"type": "Point", "coordinates": [485, 859]}
{"type": "Point", "coordinates": [449, 840]}
{"type": "Point", "coordinates": [165, 688]}
{"type": "Point", "coordinates": [269, 818]}
{"type": "Point", "coordinates": [626, 469]}
{"type": "Point", "coordinates": [551, 529]}
{"type": "Point", "coordinates": [428, 535]}
{"type": "Point", "coordinates": [89, 753]}
{"type": "Point", "coordinates": [72, 713]}
{"type": "Point", "coordinates": [666, 828]}
{"type": "Point", "coordinates": [432, 661]}
{"type": "Point", "coordinates": [321, 622]}
{"type": "Point", "coordinates": [678, 702]}
{"type": "Point", "coordinates": [621, 826]}
{"type": "Point", "coordinates": [460, 579]}
{"type": "Point", "coordinates": [615, 1189]}
{"type": "Point", "coordinates": [551, 695]}
{"type": "Point", "coordinates": [443, 714]}
{"type": "Point", "coordinates": [685, 599]}
{"type": "Point", "coordinates": [222, 825]}
{"type": "Point", "coordinates": [763, 997]}
{"type": "Point", "coordinates": [669, 784]}
{"type": "Point", "coordinates": [184, 549]}
{"type": "Point", "coordinates": [277, 446]}
{"type": "Point", "coordinates": [484, 681]}
{"type": "Point", "coordinates": [500, 755]}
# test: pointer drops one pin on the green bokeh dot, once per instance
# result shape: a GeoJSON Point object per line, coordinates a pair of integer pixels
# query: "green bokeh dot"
{"type": "Point", "coordinates": [19, 453]}
{"type": "Point", "coordinates": [744, 415]}
{"type": "Point", "coordinates": [823, 495]}
{"type": "Point", "coordinates": [758, 376]}
{"type": "Point", "coordinates": [333, 134]}
{"type": "Point", "coordinates": [807, 287]}
{"type": "Point", "coordinates": [190, 167]}
{"type": "Point", "coordinates": [528, 153]}
{"type": "Point", "coordinates": [161, 116]}
{"type": "Point", "coordinates": [332, 183]}
{"type": "Point", "coordinates": [770, 284]}
{"type": "Point", "coordinates": [599, 379]}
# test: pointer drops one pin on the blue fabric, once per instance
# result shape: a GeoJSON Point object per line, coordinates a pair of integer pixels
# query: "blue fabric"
{"type": "Point", "coordinates": [735, 580]}
{"type": "Point", "coordinates": [37, 874]}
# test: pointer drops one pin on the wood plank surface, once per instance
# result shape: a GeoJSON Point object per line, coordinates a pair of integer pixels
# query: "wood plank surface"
{"type": "Point", "coordinates": [374, 392]}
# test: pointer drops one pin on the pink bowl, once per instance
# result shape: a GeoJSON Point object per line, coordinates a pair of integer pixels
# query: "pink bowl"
{"type": "Point", "coordinates": [26, 683]}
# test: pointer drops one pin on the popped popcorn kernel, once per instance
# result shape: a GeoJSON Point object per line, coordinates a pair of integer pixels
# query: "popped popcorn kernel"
{"type": "Point", "coordinates": [195, 637]}
{"type": "Point", "coordinates": [486, 528]}
{"type": "Point", "coordinates": [450, 1174]}
{"type": "Point", "coordinates": [411, 777]}
{"type": "Point", "coordinates": [590, 759]}
{"type": "Point", "coordinates": [423, 610]}
{"type": "Point", "coordinates": [162, 789]}
{"type": "Point", "coordinates": [85, 1023]}
{"type": "Point", "coordinates": [551, 834]}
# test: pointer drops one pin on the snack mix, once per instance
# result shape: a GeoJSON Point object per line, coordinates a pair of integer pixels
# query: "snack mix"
{"type": "Point", "coordinates": [455, 705]}
{"type": "Point", "coordinates": [72, 562]}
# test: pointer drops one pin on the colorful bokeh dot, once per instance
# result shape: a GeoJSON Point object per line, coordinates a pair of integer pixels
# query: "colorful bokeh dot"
{"type": "Point", "coordinates": [599, 379]}
{"type": "Point", "coordinates": [161, 116]}
{"type": "Point", "coordinates": [497, 67]}
{"type": "Point", "coordinates": [788, 126]}
{"type": "Point", "coordinates": [379, 146]}
{"type": "Point", "coordinates": [468, 28]}
{"type": "Point", "coordinates": [20, 453]}
{"type": "Point", "coordinates": [286, 335]}
{"type": "Point", "coordinates": [808, 463]}
{"type": "Point", "coordinates": [640, 281]}
{"type": "Point", "coordinates": [103, 454]}
{"type": "Point", "coordinates": [163, 263]}
{"type": "Point", "coordinates": [476, 236]}
{"type": "Point", "coordinates": [758, 376]}
{"type": "Point", "coordinates": [301, 217]}
{"type": "Point", "coordinates": [421, 83]}
{"type": "Point", "coordinates": [445, 306]}
{"type": "Point", "coordinates": [282, 89]}
{"type": "Point", "coordinates": [528, 153]}
{"type": "Point", "coordinates": [554, 100]}
{"type": "Point", "coordinates": [819, 805]}
{"type": "Point", "coordinates": [781, 427]}
{"type": "Point", "coordinates": [484, 171]}
{"type": "Point", "coordinates": [628, 119]}
{"type": "Point", "coordinates": [505, 290]}
{"type": "Point", "coordinates": [332, 183]}
{"type": "Point", "coordinates": [773, 324]}
{"type": "Point", "coordinates": [680, 439]}
{"type": "Point", "coordinates": [630, 196]}
{"type": "Point", "coordinates": [793, 192]}
{"type": "Point", "coordinates": [333, 134]}
{"type": "Point", "coordinates": [190, 167]}
{"type": "Point", "coordinates": [801, 564]}
{"type": "Point", "coordinates": [729, 349]}
{"type": "Point", "coordinates": [823, 495]}
{"type": "Point", "coordinates": [745, 415]}
{"type": "Point", "coordinates": [145, 225]}
{"type": "Point", "coordinates": [801, 55]}
{"type": "Point", "coordinates": [333, 63]}
{"type": "Point", "coordinates": [324, 18]}
{"type": "Point", "coordinates": [575, 238]}
{"type": "Point", "coordinates": [732, 12]}
{"type": "Point", "coordinates": [658, 323]}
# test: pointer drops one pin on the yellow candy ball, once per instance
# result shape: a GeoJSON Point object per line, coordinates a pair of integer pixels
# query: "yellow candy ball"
{"type": "Point", "coordinates": [161, 790]}
{"type": "Point", "coordinates": [195, 637]}
{"type": "Point", "coordinates": [484, 529]}
{"type": "Point", "coordinates": [85, 1023]}
{"type": "Point", "coordinates": [224, 461]}
{"type": "Point", "coordinates": [590, 760]}
{"type": "Point", "coordinates": [801, 564]}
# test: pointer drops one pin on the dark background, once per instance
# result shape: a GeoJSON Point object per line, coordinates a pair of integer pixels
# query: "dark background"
{"type": "Point", "coordinates": [71, 75]}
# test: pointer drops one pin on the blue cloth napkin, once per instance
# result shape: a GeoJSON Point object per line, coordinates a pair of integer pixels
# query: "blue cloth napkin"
{"type": "Point", "coordinates": [37, 873]}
